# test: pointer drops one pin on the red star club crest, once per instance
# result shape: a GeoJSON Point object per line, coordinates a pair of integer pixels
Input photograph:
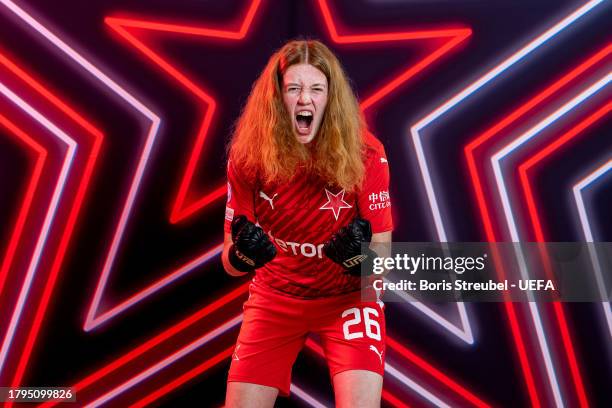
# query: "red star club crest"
{"type": "Point", "coordinates": [335, 202]}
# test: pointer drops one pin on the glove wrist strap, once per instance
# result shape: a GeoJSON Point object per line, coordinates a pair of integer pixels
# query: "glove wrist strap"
{"type": "Point", "coordinates": [240, 261]}
{"type": "Point", "coordinates": [355, 264]}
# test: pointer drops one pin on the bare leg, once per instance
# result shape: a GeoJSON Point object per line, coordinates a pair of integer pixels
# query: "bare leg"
{"type": "Point", "coordinates": [247, 395]}
{"type": "Point", "coordinates": [357, 389]}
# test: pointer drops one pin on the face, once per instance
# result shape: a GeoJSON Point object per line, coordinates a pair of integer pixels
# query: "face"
{"type": "Point", "coordinates": [305, 97]}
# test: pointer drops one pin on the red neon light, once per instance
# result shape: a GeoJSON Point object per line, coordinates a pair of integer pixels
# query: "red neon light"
{"type": "Point", "coordinates": [158, 339]}
{"type": "Point", "coordinates": [522, 353]}
{"type": "Point", "coordinates": [421, 363]}
{"type": "Point", "coordinates": [183, 378]}
{"type": "Point", "coordinates": [386, 395]}
{"type": "Point", "coordinates": [488, 224]}
{"type": "Point", "coordinates": [526, 166]}
{"type": "Point", "coordinates": [180, 209]}
{"type": "Point", "coordinates": [217, 305]}
{"type": "Point", "coordinates": [524, 169]}
{"type": "Point", "coordinates": [393, 400]}
{"type": "Point", "coordinates": [121, 26]}
{"type": "Point", "coordinates": [74, 211]}
{"type": "Point", "coordinates": [41, 155]}
{"type": "Point", "coordinates": [434, 372]}
{"type": "Point", "coordinates": [511, 118]}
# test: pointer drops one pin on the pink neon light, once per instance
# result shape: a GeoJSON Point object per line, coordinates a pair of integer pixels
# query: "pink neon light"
{"type": "Point", "coordinates": [470, 152]}
{"type": "Point", "coordinates": [48, 220]}
{"type": "Point", "coordinates": [108, 82]}
{"type": "Point", "coordinates": [412, 72]}
{"type": "Point", "coordinates": [180, 209]}
{"type": "Point", "coordinates": [524, 169]}
{"type": "Point", "coordinates": [41, 155]}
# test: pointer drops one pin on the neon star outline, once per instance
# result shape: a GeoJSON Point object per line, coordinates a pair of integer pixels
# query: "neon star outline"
{"type": "Point", "coordinates": [454, 101]}
{"type": "Point", "coordinates": [346, 39]}
{"type": "Point", "coordinates": [181, 210]}
{"type": "Point", "coordinates": [578, 192]}
{"type": "Point", "coordinates": [87, 172]}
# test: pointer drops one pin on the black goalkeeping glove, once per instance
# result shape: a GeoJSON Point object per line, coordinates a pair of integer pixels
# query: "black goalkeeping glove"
{"type": "Point", "coordinates": [252, 247]}
{"type": "Point", "coordinates": [344, 247]}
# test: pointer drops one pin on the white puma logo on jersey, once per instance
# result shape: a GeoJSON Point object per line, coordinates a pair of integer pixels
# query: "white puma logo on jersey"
{"type": "Point", "coordinates": [268, 199]}
{"type": "Point", "coordinates": [378, 353]}
{"type": "Point", "coordinates": [383, 160]}
{"type": "Point", "coordinates": [235, 355]}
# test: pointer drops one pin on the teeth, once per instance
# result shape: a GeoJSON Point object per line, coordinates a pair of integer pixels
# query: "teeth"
{"type": "Point", "coordinates": [305, 113]}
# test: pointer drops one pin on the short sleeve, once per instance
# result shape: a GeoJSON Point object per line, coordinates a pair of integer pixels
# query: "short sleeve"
{"type": "Point", "coordinates": [373, 199]}
{"type": "Point", "coordinates": [239, 197]}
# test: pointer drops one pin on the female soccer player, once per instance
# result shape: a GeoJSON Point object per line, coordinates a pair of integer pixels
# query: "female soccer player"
{"type": "Point", "coordinates": [307, 184]}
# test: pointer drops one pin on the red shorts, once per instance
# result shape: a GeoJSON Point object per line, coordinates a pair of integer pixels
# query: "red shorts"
{"type": "Point", "coordinates": [275, 328]}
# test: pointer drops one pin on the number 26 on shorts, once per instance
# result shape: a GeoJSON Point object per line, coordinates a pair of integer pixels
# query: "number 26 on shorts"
{"type": "Point", "coordinates": [372, 328]}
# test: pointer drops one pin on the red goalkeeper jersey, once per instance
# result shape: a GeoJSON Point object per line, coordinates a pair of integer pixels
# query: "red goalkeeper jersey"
{"type": "Point", "coordinates": [301, 215]}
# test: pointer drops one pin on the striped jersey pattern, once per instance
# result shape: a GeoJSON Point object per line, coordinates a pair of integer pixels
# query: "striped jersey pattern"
{"type": "Point", "coordinates": [301, 215]}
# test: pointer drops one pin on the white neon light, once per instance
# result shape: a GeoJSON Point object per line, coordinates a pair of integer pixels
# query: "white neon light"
{"type": "Point", "coordinates": [471, 89]}
{"type": "Point", "coordinates": [588, 234]}
{"type": "Point", "coordinates": [230, 324]}
{"type": "Point", "coordinates": [91, 322]}
{"type": "Point", "coordinates": [304, 396]}
{"type": "Point", "coordinates": [496, 164]}
{"type": "Point", "coordinates": [408, 382]}
{"type": "Point", "coordinates": [464, 94]}
{"type": "Point", "coordinates": [49, 217]}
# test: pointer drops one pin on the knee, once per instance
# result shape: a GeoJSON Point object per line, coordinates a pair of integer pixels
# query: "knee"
{"type": "Point", "coordinates": [357, 389]}
{"type": "Point", "coordinates": [246, 395]}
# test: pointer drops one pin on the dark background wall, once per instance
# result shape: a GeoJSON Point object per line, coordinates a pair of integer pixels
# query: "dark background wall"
{"type": "Point", "coordinates": [152, 246]}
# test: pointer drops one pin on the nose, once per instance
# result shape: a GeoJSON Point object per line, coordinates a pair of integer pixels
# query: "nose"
{"type": "Point", "coordinates": [304, 98]}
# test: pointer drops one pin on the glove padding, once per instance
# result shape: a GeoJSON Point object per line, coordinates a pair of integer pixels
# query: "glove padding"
{"type": "Point", "coordinates": [344, 247]}
{"type": "Point", "coordinates": [252, 248]}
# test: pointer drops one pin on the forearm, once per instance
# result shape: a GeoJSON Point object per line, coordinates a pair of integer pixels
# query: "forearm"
{"type": "Point", "coordinates": [381, 244]}
{"type": "Point", "coordinates": [227, 265]}
{"type": "Point", "coordinates": [227, 244]}
{"type": "Point", "coordinates": [246, 248]}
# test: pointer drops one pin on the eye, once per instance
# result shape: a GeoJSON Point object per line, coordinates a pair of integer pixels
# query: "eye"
{"type": "Point", "coordinates": [293, 89]}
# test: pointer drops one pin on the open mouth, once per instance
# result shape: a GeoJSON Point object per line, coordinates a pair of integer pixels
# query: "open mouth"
{"type": "Point", "coordinates": [303, 120]}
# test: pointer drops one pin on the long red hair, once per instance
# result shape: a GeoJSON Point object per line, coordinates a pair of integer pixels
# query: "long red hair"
{"type": "Point", "coordinates": [263, 146]}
